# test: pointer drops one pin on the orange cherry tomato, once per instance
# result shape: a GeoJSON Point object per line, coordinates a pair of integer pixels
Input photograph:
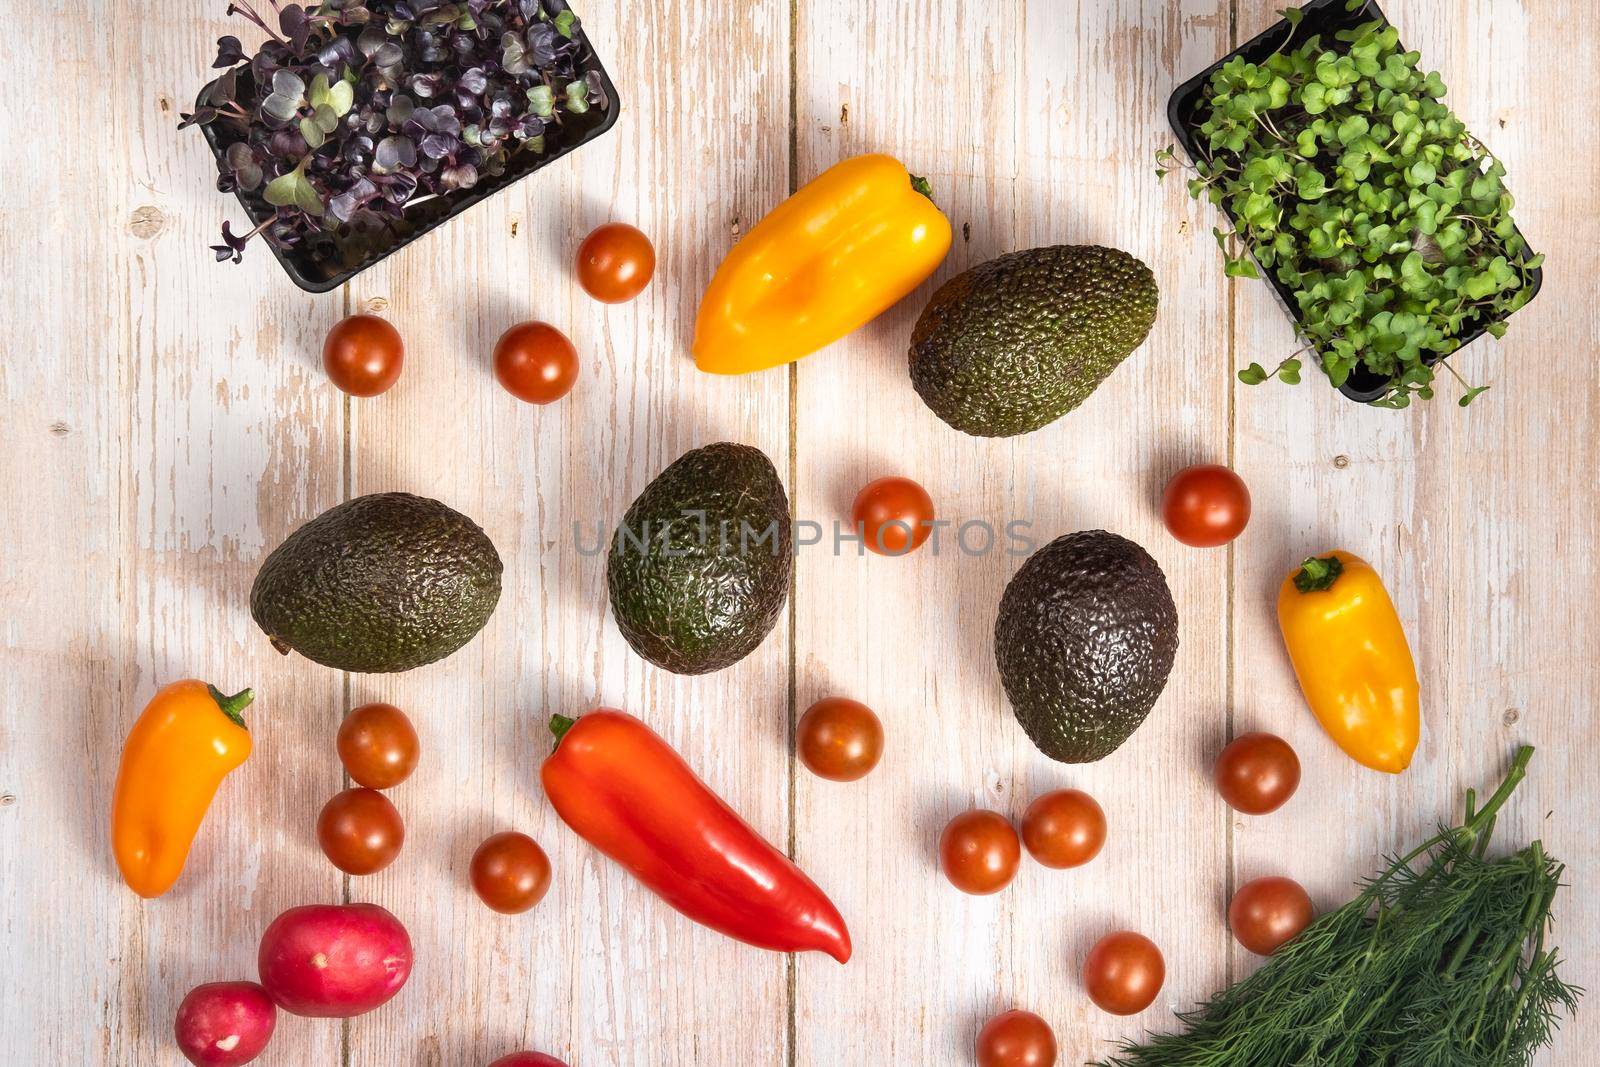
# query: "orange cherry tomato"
{"type": "Point", "coordinates": [1256, 773]}
{"type": "Point", "coordinates": [363, 355]}
{"type": "Point", "coordinates": [378, 745]}
{"type": "Point", "coordinates": [1016, 1039]}
{"type": "Point", "coordinates": [615, 263]}
{"type": "Point", "coordinates": [1065, 828]}
{"type": "Point", "coordinates": [360, 831]}
{"type": "Point", "coordinates": [535, 362]}
{"type": "Point", "coordinates": [979, 852]}
{"type": "Point", "coordinates": [1205, 506]}
{"type": "Point", "coordinates": [1266, 912]}
{"type": "Point", "coordinates": [893, 515]}
{"type": "Point", "coordinates": [839, 739]}
{"type": "Point", "coordinates": [510, 872]}
{"type": "Point", "coordinates": [1124, 972]}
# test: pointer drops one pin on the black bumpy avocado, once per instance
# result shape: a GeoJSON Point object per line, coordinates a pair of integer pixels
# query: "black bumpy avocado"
{"type": "Point", "coordinates": [1015, 343]}
{"type": "Point", "coordinates": [1085, 639]}
{"type": "Point", "coordinates": [381, 583]}
{"type": "Point", "coordinates": [700, 566]}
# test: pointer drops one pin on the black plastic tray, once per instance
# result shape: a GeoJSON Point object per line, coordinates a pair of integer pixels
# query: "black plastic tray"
{"type": "Point", "coordinates": [320, 273]}
{"type": "Point", "coordinates": [1323, 18]}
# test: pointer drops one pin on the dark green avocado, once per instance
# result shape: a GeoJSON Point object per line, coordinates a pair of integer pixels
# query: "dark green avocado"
{"type": "Point", "coordinates": [1015, 343]}
{"type": "Point", "coordinates": [700, 566]}
{"type": "Point", "coordinates": [381, 583]}
{"type": "Point", "coordinates": [1085, 639]}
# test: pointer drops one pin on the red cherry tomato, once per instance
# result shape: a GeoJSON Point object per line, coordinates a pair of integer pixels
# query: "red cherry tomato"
{"type": "Point", "coordinates": [839, 739]}
{"type": "Point", "coordinates": [360, 831]}
{"type": "Point", "coordinates": [1016, 1039]}
{"type": "Point", "coordinates": [378, 745]}
{"type": "Point", "coordinates": [1256, 773]}
{"type": "Point", "coordinates": [1124, 972]}
{"type": "Point", "coordinates": [1266, 912]}
{"type": "Point", "coordinates": [615, 263]}
{"type": "Point", "coordinates": [363, 355]}
{"type": "Point", "coordinates": [1066, 828]}
{"type": "Point", "coordinates": [1205, 506]}
{"type": "Point", "coordinates": [510, 872]}
{"type": "Point", "coordinates": [893, 515]}
{"type": "Point", "coordinates": [979, 852]}
{"type": "Point", "coordinates": [535, 362]}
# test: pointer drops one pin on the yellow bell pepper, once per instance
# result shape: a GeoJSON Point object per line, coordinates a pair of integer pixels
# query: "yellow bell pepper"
{"type": "Point", "coordinates": [831, 258]}
{"type": "Point", "coordinates": [187, 740]}
{"type": "Point", "coordinates": [1351, 657]}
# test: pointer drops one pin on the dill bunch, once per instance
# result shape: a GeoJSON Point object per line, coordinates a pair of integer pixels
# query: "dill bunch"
{"type": "Point", "coordinates": [1439, 961]}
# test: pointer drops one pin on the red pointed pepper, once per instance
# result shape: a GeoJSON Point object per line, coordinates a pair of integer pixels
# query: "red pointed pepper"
{"type": "Point", "coordinates": [625, 791]}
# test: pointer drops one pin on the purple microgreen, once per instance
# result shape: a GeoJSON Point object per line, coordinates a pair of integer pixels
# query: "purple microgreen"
{"type": "Point", "coordinates": [394, 153]}
{"type": "Point", "coordinates": [229, 52]}
{"type": "Point", "coordinates": [352, 111]}
{"type": "Point", "coordinates": [459, 176]}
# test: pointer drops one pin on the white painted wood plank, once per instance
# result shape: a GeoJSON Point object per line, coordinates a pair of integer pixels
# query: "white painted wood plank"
{"type": "Point", "coordinates": [601, 972]}
{"type": "Point", "coordinates": [1036, 125]}
{"type": "Point", "coordinates": [174, 417]}
{"type": "Point", "coordinates": [165, 424]}
{"type": "Point", "coordinates": [1482, 522]}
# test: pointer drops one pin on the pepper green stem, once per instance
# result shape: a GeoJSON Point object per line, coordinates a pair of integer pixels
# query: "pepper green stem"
{"type": "Point", "coordinates": [1318, 574]}
{"type": "Point", "coordinates": [559, 725]}
{"type": "Point", "coordinates": [232, 706]}
{"type": "Point", "coordinates": [921, 185]}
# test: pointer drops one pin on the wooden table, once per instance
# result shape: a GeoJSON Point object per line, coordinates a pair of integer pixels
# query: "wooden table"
{"type": "Point", "coordinates": [166, 423]}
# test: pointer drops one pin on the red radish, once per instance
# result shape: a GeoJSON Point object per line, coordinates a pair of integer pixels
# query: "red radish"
{"type": "Point", "coordinates": [332, 961]}
{"type": "Point", "coordinates": [224, 1024]}
{"type": "Point", "coordinates": [527, 1059]}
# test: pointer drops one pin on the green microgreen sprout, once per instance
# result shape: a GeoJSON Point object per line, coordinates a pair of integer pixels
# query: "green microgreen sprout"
{"type": "Point", "coordinates": [1347, 177]}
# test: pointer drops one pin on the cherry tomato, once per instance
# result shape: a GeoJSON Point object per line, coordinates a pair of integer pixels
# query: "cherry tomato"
{"type": "Point", "coordinates": [527, 1059]}
{"type": "Point", "coordinates": [360, 831]}
{"type": "Point", "coordinates": [979, 852]}
{"type": "Point", "coordinates": [615, 263]}
{"type": "Point", "coordinates": [1266, 912]}
{"type": "Point", "coordinates": [510, 872]}
{"type": "Point", "coordinates": [535, 362]}
{"type": "Point", "coordinates": [1016, 1039]}
{"type": "Point", "coordinates": [839, 739]}
{"type": "Point", "coordinates": [363, 355]}
{"type": "Point", "coordinates": [1256, 773]}
{"type": "Point", "coordinates": [1065, 828]}
{"type": "Point", "coordinates": [378, 745]}
{"type": "Point", "coordinates": [893, 515]}
{"type": "Point", "coordinates": [1124, 972]}
{"type": "Point", "coordinates": [1205, 506]}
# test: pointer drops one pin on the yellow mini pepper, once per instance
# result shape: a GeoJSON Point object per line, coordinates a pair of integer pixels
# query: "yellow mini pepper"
{"type": "Point", "coordinates": [1351, 656]}
{"type": "Point", "coordinates": [829, 259]}
{"type": "Point", "coordinates": [186, 741]}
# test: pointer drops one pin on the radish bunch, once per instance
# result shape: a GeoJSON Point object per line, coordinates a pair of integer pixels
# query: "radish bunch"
{"type": "Point", "coordinates": [319, 960]}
